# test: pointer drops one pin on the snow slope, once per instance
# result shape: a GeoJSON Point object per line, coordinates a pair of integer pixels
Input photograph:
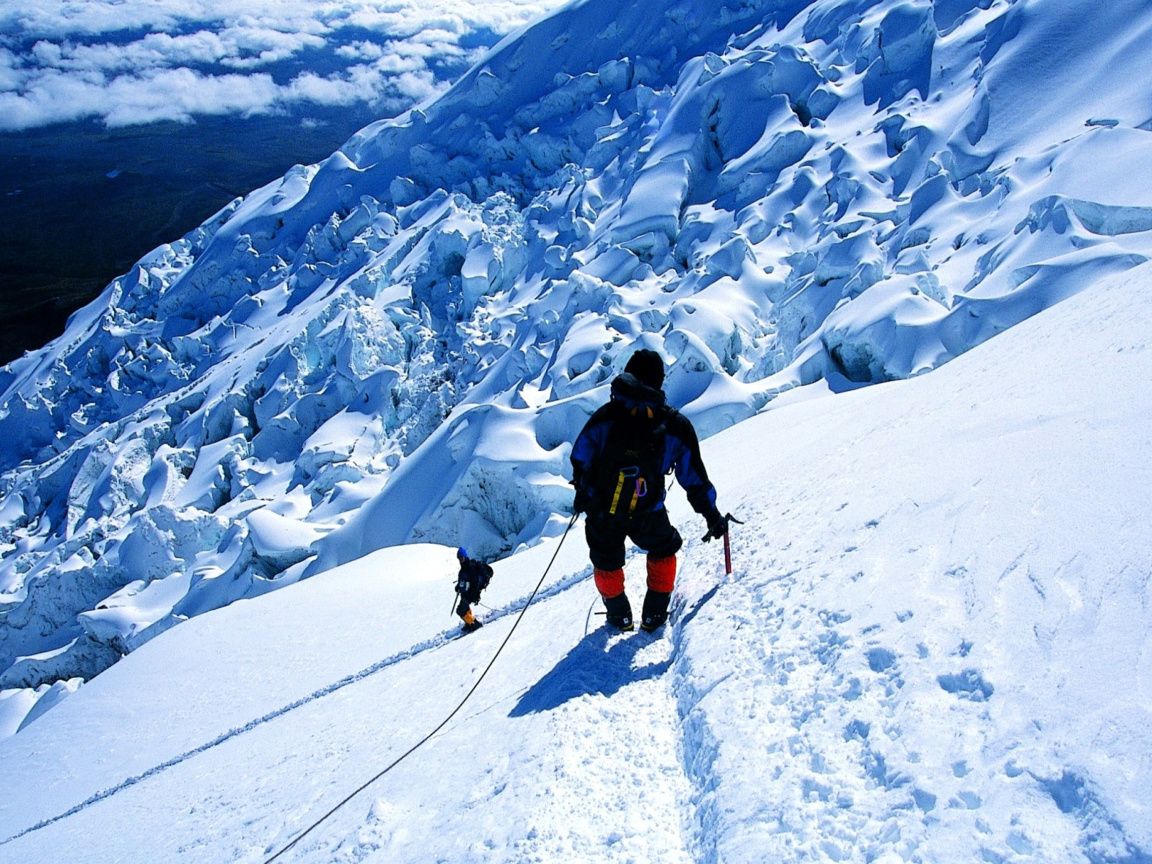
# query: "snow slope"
{"type": "Point", "coordinates": [398, 345]}
{"type": "Point", "coordinates": [934, 647]}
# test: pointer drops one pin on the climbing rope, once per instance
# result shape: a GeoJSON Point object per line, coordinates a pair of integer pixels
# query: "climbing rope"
{"type": "Point", "coordinates": [446, 720]}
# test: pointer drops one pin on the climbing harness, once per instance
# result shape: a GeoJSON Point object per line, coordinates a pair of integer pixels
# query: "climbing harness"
{"type": "Point", "coordinates": [629, 476]}
{"type": "Point", "coordinates": [446, 720]}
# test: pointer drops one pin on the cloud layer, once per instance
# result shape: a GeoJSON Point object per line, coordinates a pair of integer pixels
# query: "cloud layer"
{"type": "Point", "coordinates": [138, 61]}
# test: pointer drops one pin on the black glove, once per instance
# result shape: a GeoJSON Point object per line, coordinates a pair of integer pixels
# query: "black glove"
{"type": "Point", "coordinates": [718, 526]}
{"type": "Point", "coordinates": [582, 502]}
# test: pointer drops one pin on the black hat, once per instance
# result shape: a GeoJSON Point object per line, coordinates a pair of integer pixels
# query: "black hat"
{"type": "Point", "coordinates": [647, 366]}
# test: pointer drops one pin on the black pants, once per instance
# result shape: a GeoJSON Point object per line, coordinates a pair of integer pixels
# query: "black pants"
{"type": "Point", "coordinates": [651, 531]}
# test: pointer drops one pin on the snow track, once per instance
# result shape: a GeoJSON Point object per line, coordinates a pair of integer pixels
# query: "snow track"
{"type": "Point", "coordinates": [617, 791]}
{"type": "Point", "coordinates": [597, 728]}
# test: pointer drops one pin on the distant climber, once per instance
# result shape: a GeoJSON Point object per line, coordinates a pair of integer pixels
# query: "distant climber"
{"type": "Point", "coordinates": [473, 578]}
{"type": "Point", "coordinates": [619, 462]}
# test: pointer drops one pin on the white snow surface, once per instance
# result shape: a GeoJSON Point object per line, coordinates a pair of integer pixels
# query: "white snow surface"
{"type": "Point", "coordinates": [934, 646]}
{"type": "Point", "coordinates": [398, 345]}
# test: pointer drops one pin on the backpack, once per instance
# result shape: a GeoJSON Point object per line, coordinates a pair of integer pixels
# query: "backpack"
{"type": "Point", "coordinates": [474, 578]}
{"type": "Point", "coordinates": [628, 476]}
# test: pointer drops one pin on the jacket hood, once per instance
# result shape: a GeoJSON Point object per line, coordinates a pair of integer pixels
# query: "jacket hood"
{"type": "Point", "coordinates": [630, 390]}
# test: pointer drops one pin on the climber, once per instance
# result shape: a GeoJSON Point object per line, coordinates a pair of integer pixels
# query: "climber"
{"type": "Point", "coordinates": [473, 578]}
{"type": "Point", "coordinates": [619, 462]}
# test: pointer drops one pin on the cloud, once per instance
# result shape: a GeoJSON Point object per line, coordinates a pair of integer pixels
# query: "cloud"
{"type": "Point", "coordinates": [10, 76]}
{"type": "Point", "coordinates": [361, 51]}
{"type": "Point", "coordinates": [183, 94]}
{"type": "Point", "coordinates": [170, 94]}
{"type": "Point", "coordinates": [234, 47]}
{"type": "Point", "coordinates": [253, 46]}
{"type": "Point", "coordinates": [85, 21]}
{"type": "Point", "coordinates": [179, 94]}
{"type": "Point", "coordinates": [333, 91]}
{"type": "Point", "coordinates": [418, 86]}
{"type": "Point", "coordinates": [137, 61]}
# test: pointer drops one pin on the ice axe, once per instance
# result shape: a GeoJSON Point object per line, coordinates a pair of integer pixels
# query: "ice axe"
{"type": "Point", "coordinates": [722, 525]}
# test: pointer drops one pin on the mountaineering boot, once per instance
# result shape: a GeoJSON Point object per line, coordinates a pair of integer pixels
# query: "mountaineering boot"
{"type": "Point", "coordinates": [619, 612]}
{"type": "Point", "coordinates": [655, 611]}
{"type": "Point", "coordinates": [470, 622]}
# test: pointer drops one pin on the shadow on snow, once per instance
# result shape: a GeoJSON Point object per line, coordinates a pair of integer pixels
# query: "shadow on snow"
{"type": "Point", "coordinates": [600, 663]}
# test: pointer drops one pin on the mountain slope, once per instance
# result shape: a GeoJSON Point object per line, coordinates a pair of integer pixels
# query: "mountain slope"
{"type": "Point", "coordinates": [398, 344]}
{"type": "Point", "coordinates": [934, 647]}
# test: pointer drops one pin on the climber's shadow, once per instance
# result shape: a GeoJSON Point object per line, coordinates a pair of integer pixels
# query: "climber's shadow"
{"type": "Point", "coordinates": [600, 663]}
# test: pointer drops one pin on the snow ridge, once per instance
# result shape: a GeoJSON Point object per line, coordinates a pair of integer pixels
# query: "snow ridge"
{"type": "Point", "coordinates": [398, 344]}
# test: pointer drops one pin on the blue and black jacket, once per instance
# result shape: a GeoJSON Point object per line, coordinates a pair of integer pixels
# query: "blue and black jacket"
{"type": "Point", "coordinates": [626, 448]}
{"type": "Point", "coordinates": [473, 578]}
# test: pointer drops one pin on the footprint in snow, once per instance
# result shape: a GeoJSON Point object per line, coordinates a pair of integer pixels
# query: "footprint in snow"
{"type": "Point", "coordinates": [968, 684]}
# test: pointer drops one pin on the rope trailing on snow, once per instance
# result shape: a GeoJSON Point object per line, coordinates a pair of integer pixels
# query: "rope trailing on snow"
{"type": "Point", "coordinates": [447, 719]}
